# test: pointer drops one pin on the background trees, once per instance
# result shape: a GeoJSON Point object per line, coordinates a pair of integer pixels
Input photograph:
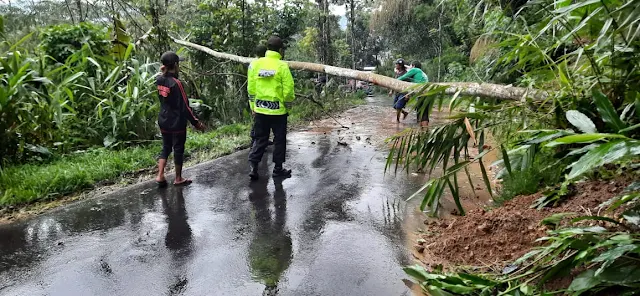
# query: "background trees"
{"type": "Point", "coordinates": [79, 73]}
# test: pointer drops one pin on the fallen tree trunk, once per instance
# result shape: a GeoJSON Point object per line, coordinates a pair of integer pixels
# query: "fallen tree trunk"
{"type": "Point", "coordinates": [486, 90]}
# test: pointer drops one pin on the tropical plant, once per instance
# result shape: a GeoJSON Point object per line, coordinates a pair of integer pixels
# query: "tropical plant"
{"type": "Point", "coordinates": [61, 41]}
{"type": "Point", "coordinates": [445, 148]}
{"type": "Point", "coordinates": [427, 150]}
{"type": "Point", "coordinates": [586, 52]}
{"type": "Point", "coordinates": [30, 104]}
{"type": "Point", "coordinates": [25, 109]}
{"type": "Point", "coordinates": [117, 103]}
{"type": "Point", "coordinates": [90, 99]}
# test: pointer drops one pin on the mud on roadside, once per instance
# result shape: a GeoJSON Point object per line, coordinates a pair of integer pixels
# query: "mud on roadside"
{"type": "Point", "coordinates": [493, 238]}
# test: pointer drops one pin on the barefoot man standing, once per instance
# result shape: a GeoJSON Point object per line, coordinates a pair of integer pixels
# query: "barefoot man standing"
{"type": "Point", "coordinates": [173, 117]}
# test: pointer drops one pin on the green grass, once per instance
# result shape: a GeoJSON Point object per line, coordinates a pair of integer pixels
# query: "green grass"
{"type": "Point", "coordinates": [67, 174]}
{"type": "Point", "coordinates": [529, 181]}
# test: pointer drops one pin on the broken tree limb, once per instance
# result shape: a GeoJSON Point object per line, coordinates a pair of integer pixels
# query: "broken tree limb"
{"type": "Point", "coordinates": [473, 89]}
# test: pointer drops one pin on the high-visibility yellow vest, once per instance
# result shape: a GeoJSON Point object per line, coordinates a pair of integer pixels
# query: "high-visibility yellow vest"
{"type": "Point", "coordinates": [270, 85]}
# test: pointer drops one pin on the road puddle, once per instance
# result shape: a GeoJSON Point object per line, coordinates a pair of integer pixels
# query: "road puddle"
{"type": "Point", "coordinates": [374, 124]}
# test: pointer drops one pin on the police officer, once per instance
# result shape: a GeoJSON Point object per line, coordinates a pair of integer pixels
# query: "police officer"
{"type": "Point", "coordinates": [261, 50]}
{"type": "Point", "coordinates": [270, 86]}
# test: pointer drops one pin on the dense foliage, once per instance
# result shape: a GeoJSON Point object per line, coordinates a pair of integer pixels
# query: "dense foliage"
{"type": "Point", "coordinates": [585, 55]}
{"type": "Point", "coordinates": [85, 77]}
{"type": "Point", "coordinates": [61, 41]}
{"type": "Point", "coordinates": [89, 99]}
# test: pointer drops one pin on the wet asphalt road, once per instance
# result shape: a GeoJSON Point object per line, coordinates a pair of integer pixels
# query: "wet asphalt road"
{"type": "Point", "coordinates": [337, 227]}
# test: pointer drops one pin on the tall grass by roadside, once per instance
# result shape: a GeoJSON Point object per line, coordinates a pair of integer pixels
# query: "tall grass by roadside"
{"type": "Point", "coordinates": [70, 173]}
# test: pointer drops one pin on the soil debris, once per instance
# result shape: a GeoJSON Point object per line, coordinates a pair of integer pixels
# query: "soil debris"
{"type": "Point", "coordinates": [494, 238]}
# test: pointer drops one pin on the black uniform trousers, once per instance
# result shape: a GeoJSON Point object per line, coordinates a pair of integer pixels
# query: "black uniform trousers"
{"type": "Point", "coordinates": [262, 127]}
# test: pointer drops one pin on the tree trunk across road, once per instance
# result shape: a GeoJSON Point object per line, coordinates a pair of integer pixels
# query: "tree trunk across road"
{"type": "Point", "coordinates": [485, 90]}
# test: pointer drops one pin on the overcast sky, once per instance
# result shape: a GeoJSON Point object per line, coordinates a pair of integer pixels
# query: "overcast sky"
{"type": "Point", "coordinates": [338, 9]}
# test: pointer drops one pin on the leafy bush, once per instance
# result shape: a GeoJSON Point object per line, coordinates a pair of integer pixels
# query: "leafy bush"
{"type": "Point", "coordinates": [30, 106]}
{"type": "Point", "coordinates": [88, 100]}
{"type": "Point", "coordinates": [23, 102]}
{"type": "Point", "coordinates": [61, 41]}
{"type": "Point", "coordinates": [117, 103]}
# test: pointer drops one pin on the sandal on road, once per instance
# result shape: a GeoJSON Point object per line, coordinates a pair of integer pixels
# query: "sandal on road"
{"type": "Point", "coordinates": [183, 182]}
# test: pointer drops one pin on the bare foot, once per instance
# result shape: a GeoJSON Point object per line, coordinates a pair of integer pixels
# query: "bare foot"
{"type": "Point", "coordinates": [161, 181]}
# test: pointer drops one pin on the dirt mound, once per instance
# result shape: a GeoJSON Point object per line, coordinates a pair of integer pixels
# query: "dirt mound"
{"type": "Point", "coordinates": [493, 238]}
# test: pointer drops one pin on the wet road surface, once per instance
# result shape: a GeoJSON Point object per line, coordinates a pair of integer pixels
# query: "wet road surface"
{"type": "Point", "coordinates": [337, 227]}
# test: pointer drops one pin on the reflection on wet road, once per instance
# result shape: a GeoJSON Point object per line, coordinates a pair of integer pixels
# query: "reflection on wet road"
{"type": "Point", "coordinates": [337, 227]}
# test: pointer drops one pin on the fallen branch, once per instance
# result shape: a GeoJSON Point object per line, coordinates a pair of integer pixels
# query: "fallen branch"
{"type": "Point", "coordinates": [310, 98]}
{"type": "Point", "coordinates": [486, 90]}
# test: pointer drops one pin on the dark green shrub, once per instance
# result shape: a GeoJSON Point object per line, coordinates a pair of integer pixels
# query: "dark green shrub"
{"type": "Point", "coordinates": [62, 41]}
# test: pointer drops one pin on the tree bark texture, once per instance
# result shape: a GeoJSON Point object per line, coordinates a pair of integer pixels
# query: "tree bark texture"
{"type": "Point", "coordinates": [473, 89]}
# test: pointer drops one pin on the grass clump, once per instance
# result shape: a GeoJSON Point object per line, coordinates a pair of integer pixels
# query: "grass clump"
{"type": "Point", "coordinates": [66, 174]}
{"type": "Point", "coordinates": [35, 182]}
{"type": "Point", "coordinates": [528, 181]}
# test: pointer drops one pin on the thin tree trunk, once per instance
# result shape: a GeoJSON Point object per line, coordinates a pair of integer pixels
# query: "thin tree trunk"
{"type": "Point", "coordinates": [264, 13]}
{"type": "Point", "coordinates": [244, 25]}
{"type": "Point", "coordinates": [321, 42]}
{"type": "Point", "coordinates": [440, 40]}
{"type": "Point", "coordinates": [486, 90]}
{"type": "Point", "coordinates": [79, 5]}
{"type": "Point", "coordinates": [353, 36]}
{"type": "Point", "coordinates": [73, 20]}
{"type": "Point", "coordinates": [327, 33]}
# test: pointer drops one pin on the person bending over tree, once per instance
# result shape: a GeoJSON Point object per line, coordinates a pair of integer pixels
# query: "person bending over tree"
{"type": "Point", "coordinates": [416, 75]}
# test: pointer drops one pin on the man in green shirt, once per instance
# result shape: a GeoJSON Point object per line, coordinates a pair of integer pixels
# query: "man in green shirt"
{"type": "Point", "coordinates": [416, 75]}
{"type": "Point", "coordinates": [270, 87]}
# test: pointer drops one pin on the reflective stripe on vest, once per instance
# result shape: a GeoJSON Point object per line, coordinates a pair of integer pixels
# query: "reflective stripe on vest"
{"type": "Point", "coordinates": [267, 104]}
